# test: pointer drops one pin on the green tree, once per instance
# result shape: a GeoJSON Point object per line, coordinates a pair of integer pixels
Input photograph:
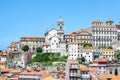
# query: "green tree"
{"type": "Point", "coordinates": [39, 50]}
{"type": "Point", "coordinates": [109, 47]}
{"type": "Point", "coordinates": [25, 48]}
{"type": "Point", "coordinates": [118, 54]}
{"type": "Point", "coordinates": [81, 60]}
{"type": "Point", "coordinates": [48, 58]}
{"type": "Point", "coordinates": [86, 44]}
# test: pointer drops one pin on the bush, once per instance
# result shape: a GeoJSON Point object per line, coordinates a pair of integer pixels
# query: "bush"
{"type": "Point", "coordinates": [86, 44]}
{"type": "Point", "coordinates": [25, 48]}
{"type": "Point", "coordinates": [48, 58]}
{"type": "Point", "coordinates": [39, 50]}
{"type": "Point", "coordinates": [109, 47]}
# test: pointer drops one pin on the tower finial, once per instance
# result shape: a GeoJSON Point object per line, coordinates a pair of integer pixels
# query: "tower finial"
{"type": "Point", "coordinates": [60, 19]}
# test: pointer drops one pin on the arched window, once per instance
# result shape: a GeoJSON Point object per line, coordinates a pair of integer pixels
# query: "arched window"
{"type": "Point", "coordinates": [116, 72]}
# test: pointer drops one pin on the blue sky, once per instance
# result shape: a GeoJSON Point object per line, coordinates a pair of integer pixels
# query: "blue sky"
{"type": "Point", "coordinates": [32, 17]}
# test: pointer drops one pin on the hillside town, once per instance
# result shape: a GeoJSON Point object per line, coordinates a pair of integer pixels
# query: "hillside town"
{"type": "Point", "coordinates": [92, 53]}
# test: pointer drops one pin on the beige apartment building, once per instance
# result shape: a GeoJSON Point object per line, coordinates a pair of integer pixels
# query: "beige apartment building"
{"type": "Point", "coordinates": [109, 54]}
{"type": "Point", "coordinates": [32, 41]}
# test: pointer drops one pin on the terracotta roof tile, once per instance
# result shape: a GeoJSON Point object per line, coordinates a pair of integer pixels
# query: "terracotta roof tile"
{"type": "Point", "coordinates": [15, 71]}
{"type": "Point", "coordinates": [104, 26]}
{"type": "Point", "coordinates": [84, 68]}
{"type": "Point", "coordinates": [12, 46]}
{"type": "Point", "coordinates": [4, 70]}
{"type": "Point", "coordinates": [105, 50]}
{"type": "Point", "coordinates": [46, 44]}
{"type": "Point", "coordinates": [47, 77]}
{"type": "Point", "coordinates": [107, 76]}
{"type": "Point", "coordinates": [3, 54]}
{"type": "Point", "coordinates": [61, 78]}
{"type": "Point", "coordinates": [2, 63]}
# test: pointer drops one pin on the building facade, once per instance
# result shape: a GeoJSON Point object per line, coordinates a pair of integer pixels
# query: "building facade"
{"type": "Point", "coordinates": [99, 65]}
{"type": "Point", "coordinates": [74, 50]}
{"type": "Point", "coordinates": [32, 41]}
{"type": "Point", "coordinates": [80, 36]}
{"type": "Point", "coordinates": [118, 32]}
{"type": "Point", "coordinates": [109, 54]}
{"type": "Point", "coordinates": [73, 71]}
{"type": "Point", "coordinates": [113, 67]}
{"type": "Point", "coordinates": [103, 34]}
{"type": "Point", "coordinates": [85, 72]}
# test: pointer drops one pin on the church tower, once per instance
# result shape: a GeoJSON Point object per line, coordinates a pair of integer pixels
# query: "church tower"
{"type": "Point", "coordinates": [60, 29]}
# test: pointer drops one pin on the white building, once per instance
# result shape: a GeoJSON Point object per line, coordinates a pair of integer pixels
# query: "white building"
{"type": "Point", "coordinates": [62, 47]}
{"type": "Point", "coordinates": [3, 56]}
{"type": "Point", "coordinates": [49, 34]}
{"type": "Point", "coordinates": [116, 45]}
{"type": "Point", "coordinates": [90, 53]}
{"type": "Point", "coordinates": [14, 46]}
{"type": "Point", "coordinates": [46, 47]}
{"type": "Point", "coordinates": [118, 32]}
{"type": "Point", "coordinates": [103, 34]}
{"type": "Point", "coordinates": [74, 49]}
{"type": "Point", "coordinates": [54, 44]}
{"type": "Point", "coordinates": [54, 38]}
{"type": "Point", "coordinates": [56, 32]}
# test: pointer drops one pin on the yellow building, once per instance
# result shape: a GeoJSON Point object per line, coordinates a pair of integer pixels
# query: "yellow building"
{"type": "Point", "coordinates": [2, 64]}
{"type": "Point", "coordinates": [108, 53]}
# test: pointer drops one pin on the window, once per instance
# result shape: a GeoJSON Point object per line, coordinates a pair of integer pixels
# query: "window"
{"type": "Point", "coordinates": [81, 55]}
{"type": "Point", "coordinates": [99, 67]}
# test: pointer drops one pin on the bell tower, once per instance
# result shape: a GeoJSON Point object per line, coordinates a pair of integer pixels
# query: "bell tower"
{"type": "Point", "coordinates": [60, 29]}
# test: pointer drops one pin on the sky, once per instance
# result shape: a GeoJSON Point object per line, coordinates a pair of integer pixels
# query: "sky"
{"type": "Point", "coordinates": [33, 17]}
